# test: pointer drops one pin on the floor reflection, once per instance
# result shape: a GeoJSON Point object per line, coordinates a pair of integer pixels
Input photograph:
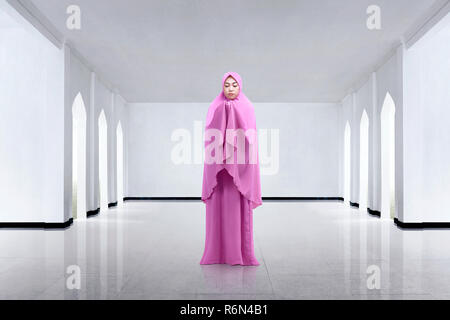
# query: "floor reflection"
{"type": "Point", "coordinates": [226, 278]}
{"type": "Point", "coordinates": [151, 250]}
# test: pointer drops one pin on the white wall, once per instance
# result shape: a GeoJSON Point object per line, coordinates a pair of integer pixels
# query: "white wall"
{"type": "Point", "coordinates": [309, 149]}
{"type": "Point", "coordinates": [345, 114]}
{"type": "Point", "coordinates": [38, 85]}
{"type": "Point", "coordinates": [426, 126]}
{"type": "Point", "coordinates": [363, 101]}
{"type": "Point", "coordinates": [103, 100]}
{"type": "Point", "coordinates": [389, 79]}
{"type": "Point", "coordinates": [417, 79]}
{"type": "Point", "coordinates": [31, 123]}
{"type": "Point", "coordinates": [120, 114]}
{"type": "Point", "coordinates": [353, 106]}
{"type": "Point", "coordinates": [308, 153]}
{"type": "Point", "coordinates": [370, 96]}
{"type": "Point", "coordinates": [79, 81]}
{"type": "Point", "coordinates": [96, 96]}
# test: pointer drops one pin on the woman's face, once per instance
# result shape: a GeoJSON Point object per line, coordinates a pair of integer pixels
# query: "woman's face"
{"type": "Point", "coordinates": [231, 88]}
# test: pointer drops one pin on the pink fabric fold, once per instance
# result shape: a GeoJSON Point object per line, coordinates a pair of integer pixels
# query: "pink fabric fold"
{"type": "Point", "coordinates": [231, 143]}
{"type": "Point", "coordinates": [229, 226]}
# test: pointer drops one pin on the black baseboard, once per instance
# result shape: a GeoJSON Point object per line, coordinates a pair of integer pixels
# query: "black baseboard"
{"type": "Point", "coordinates": [160, 198]}
{"type": "Point", "coordinates": [354, 204]}
{"type": "Point", "coordinates": [263, 198]}
{"type": "Point", "coordinates": [37, 225]}
{"type": "Point", "coordinates": [421, 225]}
{"type": "Point", "coordinates": [303, 198]}
{"type": "Point", "coordinates": [93, 212]}
{"type": "Point", "coordinates": [374, 212]}
{"type": "Point", "coordinates": [114, 204]}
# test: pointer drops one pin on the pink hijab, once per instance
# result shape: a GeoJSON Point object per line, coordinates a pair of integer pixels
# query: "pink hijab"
{"type": "Point", "coordinates": [227, 116]}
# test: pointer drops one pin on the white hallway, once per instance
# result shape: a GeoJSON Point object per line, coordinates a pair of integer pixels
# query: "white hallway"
{"type": "Point", "coordinates": [348, 116]}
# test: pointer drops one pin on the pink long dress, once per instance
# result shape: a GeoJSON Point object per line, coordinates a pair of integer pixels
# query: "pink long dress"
{"type": "Point", "coordinates": [231, 190]}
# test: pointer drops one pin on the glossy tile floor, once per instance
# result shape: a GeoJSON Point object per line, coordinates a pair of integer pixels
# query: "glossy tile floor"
{"type": "Point", "coordinates": [152, 249]}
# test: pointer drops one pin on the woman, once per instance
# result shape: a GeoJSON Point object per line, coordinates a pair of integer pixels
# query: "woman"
{"type": "Point", "coordinates": [231, 179]}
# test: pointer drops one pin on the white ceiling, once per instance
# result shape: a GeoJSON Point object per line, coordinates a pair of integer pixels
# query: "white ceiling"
{"type": "Point", "coordinates": [285, 51]}
{"type": "Point", "coordinates": [6, 21]}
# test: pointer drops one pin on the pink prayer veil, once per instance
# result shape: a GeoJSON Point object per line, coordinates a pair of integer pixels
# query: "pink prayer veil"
{"type": "Point", "coordinates": [238, 153]}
